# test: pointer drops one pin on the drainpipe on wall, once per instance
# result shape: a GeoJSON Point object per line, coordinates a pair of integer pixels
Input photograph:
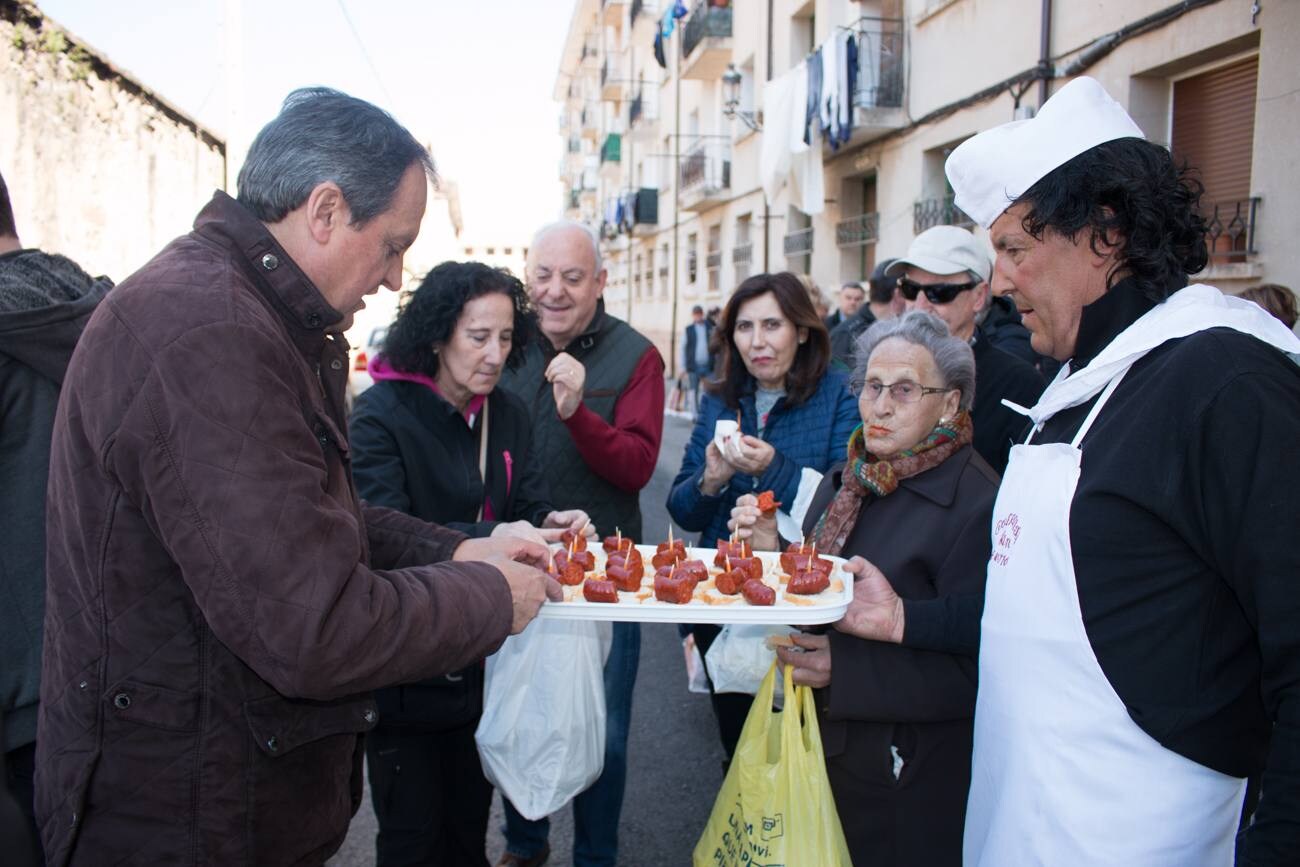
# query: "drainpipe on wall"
{"type": "Point", "coordinates": [677, 190]}
{"type": "Point", "coordinates": [767, 76]}
{"type": "Point", "coordinates": [1044, 52]}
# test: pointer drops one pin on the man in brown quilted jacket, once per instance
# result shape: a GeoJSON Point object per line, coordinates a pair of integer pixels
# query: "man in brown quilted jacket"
{"type": "Point", "coordinates": [220, 602]}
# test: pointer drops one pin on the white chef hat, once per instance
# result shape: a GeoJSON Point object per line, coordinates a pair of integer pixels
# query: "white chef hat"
{"type": "Point", "coordinates": [993, 169]}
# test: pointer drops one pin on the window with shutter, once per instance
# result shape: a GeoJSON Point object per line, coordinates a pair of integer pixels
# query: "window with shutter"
{"type": "Point", "coordinates": [1214, 132]}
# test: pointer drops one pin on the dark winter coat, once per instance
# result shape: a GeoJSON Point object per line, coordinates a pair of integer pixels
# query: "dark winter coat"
{"type": "Point", "coordinates": [412, 451]}
{"type": "Point", "coordinates": [220, 602]}
{"type": "Point", "coordinates": [45, 301]}
{"type": "Point", "coordinates": [844, 338]}
{"type": "Point", "coordinates": [1000, 375]}
{"type": "Point", "coordinates": [812, 435]}
{"type": "Point", "coordinates": [931, 539]}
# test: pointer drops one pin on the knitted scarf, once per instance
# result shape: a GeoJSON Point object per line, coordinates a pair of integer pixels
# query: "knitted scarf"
{"type": "Point", "coordinates": [866, 474]}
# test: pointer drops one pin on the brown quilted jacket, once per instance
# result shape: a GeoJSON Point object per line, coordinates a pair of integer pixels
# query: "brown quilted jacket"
{"type": "Point", "coordinates": [220, 602]}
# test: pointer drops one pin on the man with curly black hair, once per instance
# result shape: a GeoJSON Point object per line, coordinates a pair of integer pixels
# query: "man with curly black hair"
{"type": "Point", "coordinates": [1139, 648]}
{"type": "Point", "coordinates": [1167, 419]}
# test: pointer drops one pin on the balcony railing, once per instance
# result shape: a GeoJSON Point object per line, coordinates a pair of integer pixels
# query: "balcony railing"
{"type": "Point", "coordinates": [631, 208]}
{"type": "Point", "coordinates": [880, 63]}
{"type": "Point", "coordinates": [707, 20]}
{"type": "Point", "coordinates": [706, 165]}
{"type": "Point", "coordinates": [575, 145]}
{"type": "Point", "coordinates": [858, 231]}
{"type": "Point", "coordinates": [713, 261]}
{"type": "Point", "coordinates": [798, 243]}
{"type": "Point", "coordinates": [1230, 229]}
{"type": "Point", "coordinates": [611, 150]}
{"type": "Point", "coordinates": [927, 213]}
{"type": "Point", "coordinates": [641, 108]}
{"type": "Point", "coordinates": [742, 253]}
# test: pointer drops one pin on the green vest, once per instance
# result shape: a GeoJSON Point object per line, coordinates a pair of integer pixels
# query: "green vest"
{"type": "Point", "coordinates": [609, 349]}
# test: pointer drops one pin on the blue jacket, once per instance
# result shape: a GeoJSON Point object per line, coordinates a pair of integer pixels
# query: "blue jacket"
{"type": "Point", "coordinates": [814, 434]}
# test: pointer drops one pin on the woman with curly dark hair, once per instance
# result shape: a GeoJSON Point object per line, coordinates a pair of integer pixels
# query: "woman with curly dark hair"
{"type": "Point", "coordinates": [434, 437]}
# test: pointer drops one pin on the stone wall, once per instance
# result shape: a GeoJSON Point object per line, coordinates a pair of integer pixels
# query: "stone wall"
{"type": "Point", "coordinates": [98, 167]}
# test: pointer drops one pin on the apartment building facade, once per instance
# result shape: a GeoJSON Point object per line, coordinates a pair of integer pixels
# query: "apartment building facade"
{"type": "Point", "coordinates": [666, 159]}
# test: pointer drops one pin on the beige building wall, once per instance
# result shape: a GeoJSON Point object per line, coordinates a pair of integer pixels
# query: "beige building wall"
{"type": "Point", "coordinates": [963, 65]}
{"type": "Point", "coordinates": [98, 167]}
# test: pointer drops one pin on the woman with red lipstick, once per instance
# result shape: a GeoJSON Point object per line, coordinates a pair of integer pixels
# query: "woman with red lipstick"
{"type": "Point", "coordinates": [795, 419]}
{"type": "Point", "coordinates": [915, 499]}
{"type": "Point", "coordinates": [435, 437]}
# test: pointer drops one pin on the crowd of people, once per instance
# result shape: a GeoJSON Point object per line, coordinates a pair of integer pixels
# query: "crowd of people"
{"type": "Point", "coordinates": [1060, 475]}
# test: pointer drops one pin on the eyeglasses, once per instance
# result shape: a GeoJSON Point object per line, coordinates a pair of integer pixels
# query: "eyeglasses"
{"type": "Point", "coordinates": [935, 293]}
{"type": "Point", "coordinates": [903, 391]}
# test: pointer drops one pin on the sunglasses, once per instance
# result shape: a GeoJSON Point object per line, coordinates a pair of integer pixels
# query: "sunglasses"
{"type": "Point", "coordinates": [935, 293]}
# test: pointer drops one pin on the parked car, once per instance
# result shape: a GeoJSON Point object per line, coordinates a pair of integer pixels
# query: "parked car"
{"type": "Point", "coordinates": [359, 376]}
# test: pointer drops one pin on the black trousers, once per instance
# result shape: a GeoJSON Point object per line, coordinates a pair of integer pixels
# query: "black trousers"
{"type": "Point", "coordinates": [19, 839]}
{"type": "Point", "coordinates": [430, 797]}
{"type": "Point", "coordinates": [730, 708]}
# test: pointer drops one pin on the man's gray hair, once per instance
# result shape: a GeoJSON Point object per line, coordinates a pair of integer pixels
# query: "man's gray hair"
{"type": "Point", "coordinates": [586, 230]}
{"type": "Point", "coordinates": [953, 356]}
{"type": "Point", "coordinates": [323, 135]}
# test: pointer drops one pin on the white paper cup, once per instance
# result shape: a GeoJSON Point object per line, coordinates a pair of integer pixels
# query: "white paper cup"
{"type": "Point", "coordinates": [723, 431]}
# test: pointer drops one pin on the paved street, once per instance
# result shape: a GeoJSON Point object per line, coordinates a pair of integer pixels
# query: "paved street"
{"type": "Point", "coordinates": [674, 759]}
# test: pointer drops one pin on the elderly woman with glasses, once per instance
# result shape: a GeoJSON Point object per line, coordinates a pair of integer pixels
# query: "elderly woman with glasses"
{"type": "Point", "coordinates": [916, 501]}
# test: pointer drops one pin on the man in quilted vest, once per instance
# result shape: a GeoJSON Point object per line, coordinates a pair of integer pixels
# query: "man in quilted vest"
{"type": "Point", "coordinates": [220, 602]}
{"type": "Point", "coordinates": [595, 388]}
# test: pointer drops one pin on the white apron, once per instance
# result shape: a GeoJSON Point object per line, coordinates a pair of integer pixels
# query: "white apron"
{"type": "Point", "coordinates": [1061, 775]}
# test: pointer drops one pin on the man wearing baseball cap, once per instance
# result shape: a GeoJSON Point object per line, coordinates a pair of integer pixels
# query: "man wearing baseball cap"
{"type": "Point", "coordinates": [946, 272]}
{"type": "Point", "coordinates": [1139, 649]}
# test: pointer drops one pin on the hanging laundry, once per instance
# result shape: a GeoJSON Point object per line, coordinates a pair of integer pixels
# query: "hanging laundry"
{"type": "Point", "coordinates": [829, 89]}
{"type": "Point", "coordinates": [850, 86]}
{"type": "Point", "coordinates": [812, 117]}
{"type": "Point", "coordinates": [659, 50]}
{"type": "Point", "coordinates": [629, 210]}
{"type": "Point", "coordinates": [668, 23]}
{"type": "Point", "coordinates": [784, 157]}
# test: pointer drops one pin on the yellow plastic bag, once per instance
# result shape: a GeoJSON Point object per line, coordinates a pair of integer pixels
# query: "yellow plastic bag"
{"type": "Point", "coordinates": [775, 806]}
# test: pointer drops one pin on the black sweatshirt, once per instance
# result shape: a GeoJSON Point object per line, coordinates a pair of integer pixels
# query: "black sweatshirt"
{"type": "Point", "coordinates": [1183, 530]}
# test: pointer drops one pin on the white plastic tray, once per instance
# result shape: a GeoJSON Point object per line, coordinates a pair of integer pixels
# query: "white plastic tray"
{"type": "Point", "coordinates": [827, 607]}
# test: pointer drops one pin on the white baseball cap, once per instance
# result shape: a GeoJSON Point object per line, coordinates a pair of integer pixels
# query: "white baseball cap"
{"type": "Point", "coordinates": [993, 169]}
{"type": "Point", "coordinates": [945, 250]}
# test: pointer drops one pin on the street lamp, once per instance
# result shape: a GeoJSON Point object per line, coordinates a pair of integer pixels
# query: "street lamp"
{"type": "Point", "coordinates": [731, 80]}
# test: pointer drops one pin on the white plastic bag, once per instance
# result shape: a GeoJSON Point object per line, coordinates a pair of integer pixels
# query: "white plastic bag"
{"type": "Point", "coordinates": [542, 736]}
{"type": "Point", "coordinates": [739, 658]}
{"type": "Point", "coordinates": [696, 681]}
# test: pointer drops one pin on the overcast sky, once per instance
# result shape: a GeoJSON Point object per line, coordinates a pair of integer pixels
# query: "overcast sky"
{"type": "Point", "coordinates": [474, 79]}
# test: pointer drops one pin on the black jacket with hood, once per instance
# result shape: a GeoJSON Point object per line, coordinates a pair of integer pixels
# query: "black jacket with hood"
{"type": "Point", "coordinates": [45, 301]}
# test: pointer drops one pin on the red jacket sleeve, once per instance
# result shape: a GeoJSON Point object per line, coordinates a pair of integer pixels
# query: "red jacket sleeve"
{"type": "Point", "coordinates": [624, 453]}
